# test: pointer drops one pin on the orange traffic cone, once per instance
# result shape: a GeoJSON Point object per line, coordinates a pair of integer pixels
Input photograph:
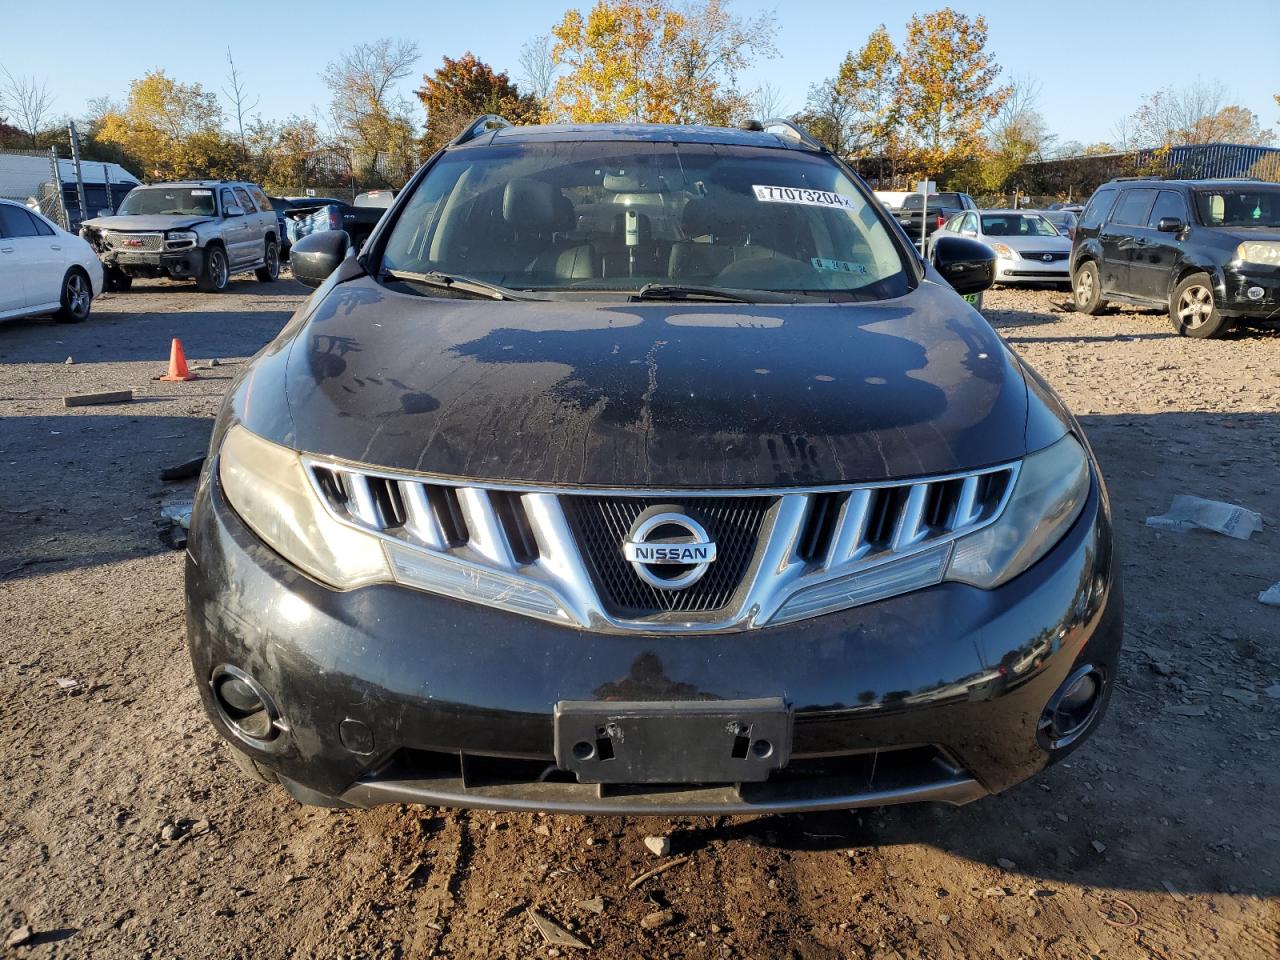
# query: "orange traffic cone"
{"type": "Point", "coordinates": [178, 363]}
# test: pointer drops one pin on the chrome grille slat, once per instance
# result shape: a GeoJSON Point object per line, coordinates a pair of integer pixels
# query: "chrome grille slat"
{"type": "Point", "coordinates": [147, 242]}
{"type": "Point", "coordinates": [799, 541]}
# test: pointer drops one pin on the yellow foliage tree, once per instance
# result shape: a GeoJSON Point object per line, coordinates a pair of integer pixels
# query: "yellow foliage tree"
{"type": "Point", "coordinates": [174, 130]}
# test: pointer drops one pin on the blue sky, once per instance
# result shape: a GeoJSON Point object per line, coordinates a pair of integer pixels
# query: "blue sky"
{"type": "Point", "coordinates": [1094, 61]}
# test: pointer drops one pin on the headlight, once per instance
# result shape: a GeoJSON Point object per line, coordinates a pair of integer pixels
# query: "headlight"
{"type": "Point", "coordinates": [1049, 494]}
{"type": "Point", "coordinates": [267, 486]}
{"type": "Point", "coordinates": [1259, 251]}
{"type": "Point", "coordinates": [1003, 252]}
{"type": "Point", "coordinates": [181, 238]}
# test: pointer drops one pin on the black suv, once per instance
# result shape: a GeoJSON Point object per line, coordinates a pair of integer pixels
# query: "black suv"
{"type": "Point", "coordinates": [1208, 250]}
{"type": "Point", "coordinates": [646, 469]}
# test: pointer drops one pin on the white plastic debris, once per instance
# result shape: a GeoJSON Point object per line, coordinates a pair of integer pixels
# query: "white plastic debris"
{"type": "Point", "coordinates": [177, 510]}
{"type": "Point", "coordinates": [1195, 513]}
{"type": "Point", "coordinates": [1271, 595]}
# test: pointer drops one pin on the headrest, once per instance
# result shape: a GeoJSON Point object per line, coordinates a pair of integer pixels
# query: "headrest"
{"type": "Point", "coordinates": [718, 217]}
{"type": "Point", "coordinates": [566, 220]}
{"type": "Point", "coordinates": [529, 203]}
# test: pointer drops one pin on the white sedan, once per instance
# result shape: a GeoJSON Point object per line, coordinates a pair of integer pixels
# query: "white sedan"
{"type": "Point", "coordinates": [1029, 249]}
{"type": "Point", "coordinates": [44, 269]}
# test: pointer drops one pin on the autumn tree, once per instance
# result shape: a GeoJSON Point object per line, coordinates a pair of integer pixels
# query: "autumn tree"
{"type": "Point", "coordinates": [648, 61]}
{"type": "Point", "coordinates": [538, 70]}
{"type": "Point", "coordinates": [1016, 135]}
{"type": "Point", "coordinates": [458, 90]}
{"type": "Point", "coordinates": [947, 91]}
{"type": "Point", "coordinates": [1198, 113]}
{"type": "Point", "coordinates": [174, 130]}
{"type": "Point", "coordinates": [370, 117]}
{"type": "Point", "coordinates": [27, 102]}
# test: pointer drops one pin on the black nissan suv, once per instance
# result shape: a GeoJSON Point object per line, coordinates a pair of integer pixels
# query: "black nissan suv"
{"type": "Point", "coordinates": [646, 469]}
{"type": "Point", "coordinates": [1207, 250]}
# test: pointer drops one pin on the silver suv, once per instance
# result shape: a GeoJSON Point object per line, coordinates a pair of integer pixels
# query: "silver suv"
{"type": "Point", "coordinates": [204, 230]}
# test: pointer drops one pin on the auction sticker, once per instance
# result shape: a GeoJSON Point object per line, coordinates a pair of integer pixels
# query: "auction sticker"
{"type": "Point", "coordinates": [802, 195]}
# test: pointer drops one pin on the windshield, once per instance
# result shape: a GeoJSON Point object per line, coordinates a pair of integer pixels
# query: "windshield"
{"type": "Point", "coordinates": [1016, 225]}
{"type": "Point", "coordinates": [175, 201]}
{"type": "Point", "coordinates": [614, 216]}
{"type": "Point", "coordinates": [935, 200]}
{"type": "Point", "coordinates": [1239, 207]}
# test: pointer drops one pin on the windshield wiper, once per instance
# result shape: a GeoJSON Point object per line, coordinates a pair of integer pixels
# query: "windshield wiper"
{"type": "Point", "coordinates": [456, 281]}
{"type": "Point", "coordinates": [679, 291]}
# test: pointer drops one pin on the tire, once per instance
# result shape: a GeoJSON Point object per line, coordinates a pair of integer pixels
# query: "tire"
{"type": "Point", "coordinates": [117, 281]}
{"type": "Point", "coordinates": [270, 270]}
{"type": "Point", "coordinates": [77, 297]}
{"type": "Point", "coordinates": [251, 768]}
{"type": "Point", "coordinates": [1193, 311]}
{"type": "Point", "coordinates": [1086, 289]}
{"type": "Point", "coordinates": [216, 273]}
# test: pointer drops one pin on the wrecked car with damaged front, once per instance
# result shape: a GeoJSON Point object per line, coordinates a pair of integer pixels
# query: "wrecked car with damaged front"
{"type": "Point", "coordinates": [646, 469]}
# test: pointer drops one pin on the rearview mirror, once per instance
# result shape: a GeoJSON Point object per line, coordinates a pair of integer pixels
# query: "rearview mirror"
{"type": "Point", "coordinates": [1170, 225]}
{"type": "Point", "coordinates": [233, 210]}
{"type": "Point", "coordinates": [317, 255]}
{"type": "Point", "coordinates": [968, 265]}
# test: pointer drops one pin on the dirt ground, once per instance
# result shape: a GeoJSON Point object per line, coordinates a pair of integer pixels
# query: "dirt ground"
{"type": "Point", "coordinates": [126, 832]}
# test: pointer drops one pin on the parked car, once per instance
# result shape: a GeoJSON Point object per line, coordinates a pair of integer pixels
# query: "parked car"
{"type": "Point", "coordinates": [357, 219]}
{"type": "Point", "coordinates": [1028, 247]}
{"type": "Point", "coordinates": [44, 269]}
{"type": "Point", "coordinates": [733, 506]}
{"type": "Point", "coordinates": [1064, 221]}
{"type": "Point", "coordinates": [939, 208]}
{"type": "Point", "coordinates": [281, 204]}
{"type": "Point", "coordinates": [208, 230]}
{"type": "Point", "coordinates": [1069, 206]}
{"type": "Point", "coordinates": [1208, 251]}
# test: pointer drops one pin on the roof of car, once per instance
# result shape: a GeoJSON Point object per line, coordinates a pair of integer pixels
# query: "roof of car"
{"type": "Point", "coordinates": [645, 132]}
{"type": "Point", "coordinates": [1221, 182]}
{"type": "Point", "coordinates": [196, 183]}
{"type": "Point", "coordinates": [1009, 212]}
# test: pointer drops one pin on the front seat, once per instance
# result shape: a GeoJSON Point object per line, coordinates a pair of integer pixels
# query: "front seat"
{"type": "Point", "coordinates": [709, 244]}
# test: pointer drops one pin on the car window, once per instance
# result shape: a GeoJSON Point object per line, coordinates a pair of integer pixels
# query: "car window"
{"type": "Point", "coordinates": [1253, 206]}
{"type": "Point", "coordinates": [1133, 208]}
{"type": "Point", "coordinates": [228, 199]}
{"type": "Point", "coordinates": [615, 215]}
{"type": "Point", "coordinates": [168, 201]}
{"type": "Point", "coordinates": [1096, 210]}
{"type": "Point", "coordinates": [1017, 225]}
{"type": "Point", "coordinates": [16, 222]}
{"type": "Point", "coordinates": [1169, 203]}
{"type": "Point", "coordinates": [971, 222]}
{"type": "Point", "coordinates": [243, 197]}
{"type": "Point", "coordinates": [262, 200]}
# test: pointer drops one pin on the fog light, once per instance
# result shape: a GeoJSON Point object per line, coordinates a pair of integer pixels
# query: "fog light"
{"type": "Point", "coordinates": [1255, 293]}
{"type": "Point", "coordinates": [243, 704]}
{"type": "Point", "coordinates": [1071, 710]}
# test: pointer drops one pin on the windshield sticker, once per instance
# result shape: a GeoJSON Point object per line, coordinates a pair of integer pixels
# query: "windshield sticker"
{"type": "Point", "coordinates": [801, 195]}
{"type": "Point", "coordinates": [826, 265]}
{"type": "Point", "coordinates": [202, 193]}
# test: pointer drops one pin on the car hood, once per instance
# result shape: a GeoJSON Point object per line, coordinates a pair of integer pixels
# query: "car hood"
{"type": "Point", "coordinates": [642, 394]}
{"type": "Point", "coordinates": [145, 222]}
{"type": "Point", "coordinates": [1021, 243]}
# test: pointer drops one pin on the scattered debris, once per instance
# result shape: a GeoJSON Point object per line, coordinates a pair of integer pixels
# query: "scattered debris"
{"type": "Point", "coordinates": [1099, 846]}
{"type": "Point", "coordinates": [1188, 709]}
{"type": "Point", "coordinates": [69, 361]}
{"type": "Point", "coordinates": [95, 399]}
{"type": "Point", "coordinates": [1273, 691]}
{"type": "Point", "coordinates": [22, 934]}
{"type": "Point", "coordinates": [673, 862]}
{"type": "Point", "coordinates": [1195, 513]}
{"type": "Point", "coordinates": [658, 846]}
{"type": "Point", "coordinates": [995, 893]}
{"type": "Point", "coordinates": [182, 471]}
{"type": "Point", "coordinates": [1173, 892]}
{"type": "Point", "coordinates": [1130, 921]}
{"type": "Point", "coordinates": [542, 830]}
{"type": "Point", "coordinates": [658, 919]}
{"type": "Point", "coordinates": [1271, 595]}
{"type": "Point", "coordinates": [554, 934]}
{"type": "Point", "coordinates": [1005, 864]}
{"type": "Point", "coordinates": [69, 685]}
{"type": "Point", "coordinates": [1247, 697]}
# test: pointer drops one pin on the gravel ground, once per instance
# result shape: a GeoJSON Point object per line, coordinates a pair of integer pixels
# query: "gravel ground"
{"type": "Point", "coordinates": [125, 831]}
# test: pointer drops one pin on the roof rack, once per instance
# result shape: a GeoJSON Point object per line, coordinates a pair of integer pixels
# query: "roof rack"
{"type": "Point", "coordinates": [481, 124]}
{"type": "Point", "coordinates": [790, 130]}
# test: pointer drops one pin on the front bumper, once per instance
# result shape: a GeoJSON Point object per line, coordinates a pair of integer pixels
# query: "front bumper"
{"type": "Point", "coordinates": [182, 264]}
{"type": "Point", "coordinates": [1234, 298]}
{"type": "Point", "coordinates": [934, 695]}
{"type": "Point", "coordinates": [1032, 271]}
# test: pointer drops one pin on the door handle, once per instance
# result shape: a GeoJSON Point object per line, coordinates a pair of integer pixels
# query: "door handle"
{"type": "Point", "coordinates": [55, 246]}
{"type": "Point", "coordinates": [6, 249]}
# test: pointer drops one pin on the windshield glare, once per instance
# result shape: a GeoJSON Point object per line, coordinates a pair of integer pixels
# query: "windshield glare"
{"type": "Point", "coordinates": [166, 201]}
{"type": "Point", "coordinates": [613, 216]}
{"type": "Point", "coordinates": [1250, 207]}
{"type": "Point", "coordinates": [1017, 225]}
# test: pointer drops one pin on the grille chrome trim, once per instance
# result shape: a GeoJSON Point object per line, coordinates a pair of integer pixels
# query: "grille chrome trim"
{"type": "Point", "coordinates": [149, 242]}
{"type": "Point", "coordinates": [963, 503]}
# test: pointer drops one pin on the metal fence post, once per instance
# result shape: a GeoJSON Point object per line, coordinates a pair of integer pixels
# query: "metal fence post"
{"type": "Point", "coordinates": [106, 182]}
{"type": "Point", "coordinates": [64, 220]}
{"type": "Point", "coordinates": [75, 162]}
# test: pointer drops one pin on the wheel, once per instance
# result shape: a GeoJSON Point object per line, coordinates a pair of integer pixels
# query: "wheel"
{"type": "Point", "coordinates": [1192, 310]}
{"type": "Point", "coordinates": [77, 297]}
{"type": "Point", "coordinates": [214, 277]}
{"type": "Point", "coordinates": [1087, 286]}
{"type": "Point", "coordinates": [251, 768]}
{"type": "Point", "coordinates": [117, 280]}
{"type": "Point", "coordinates": [271, 264]}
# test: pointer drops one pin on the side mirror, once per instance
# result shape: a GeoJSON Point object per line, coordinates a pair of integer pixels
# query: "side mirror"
{"type": "Point", "coordinates": [106, 212]}
{"type": "Point", "coordinates": [1171, 225]}
{"type": "Point", "coordinates": [968, 265]}
{"type": "Point", "coordinates": [233, 210]}
{"type": "Point", "coordinates": [317, 255]}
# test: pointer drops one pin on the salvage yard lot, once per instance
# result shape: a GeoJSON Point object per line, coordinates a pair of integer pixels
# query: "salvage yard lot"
{"type": "Point", "coordinates": [125, 831]}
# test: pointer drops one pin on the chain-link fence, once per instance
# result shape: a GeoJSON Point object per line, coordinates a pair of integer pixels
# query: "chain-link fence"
{"type": "Point", "coordinates": [63, 189]}
{"type": "Point", "coordinates": [26, 177]}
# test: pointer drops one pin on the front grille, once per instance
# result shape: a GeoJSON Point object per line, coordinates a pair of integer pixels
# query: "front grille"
{"type": "Point", "coordinates": [560, 554]}
{"type": "Point", "coordinates": [1053, 255]}
{"type": "Point", "coordinates": [601, 526]}
{"type": "Point", "coordinates": [134, 242]}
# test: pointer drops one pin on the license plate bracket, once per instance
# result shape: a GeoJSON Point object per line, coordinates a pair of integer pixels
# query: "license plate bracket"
{"type": "Point", "coordinates": [711, 741]}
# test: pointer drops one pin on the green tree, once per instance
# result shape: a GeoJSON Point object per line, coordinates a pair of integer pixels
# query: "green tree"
{"type": "Point", "coordinates": [458, 90]}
